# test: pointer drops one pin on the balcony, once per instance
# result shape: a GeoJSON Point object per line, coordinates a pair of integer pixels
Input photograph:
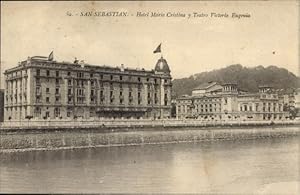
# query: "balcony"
{"type": "Point", "coordinates": [93, 102]}
{"type": "Point", "coordinates": [38, 102]}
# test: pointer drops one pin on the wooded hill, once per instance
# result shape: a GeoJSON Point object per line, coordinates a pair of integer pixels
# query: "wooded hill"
{"type": "Point", "coordinates": [248, 79]}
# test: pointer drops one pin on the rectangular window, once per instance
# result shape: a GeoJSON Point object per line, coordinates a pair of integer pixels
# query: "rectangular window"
{"type": "Point", "coordinates": [166, 97]}
{"type": "Point", "coordinates": [38, 90]}
{"type": "Point", "coordinates": [47, 90]}
{"type": "Point", "coordinates": [57, 73]}
{"type": "Point", "coordinates": [111, 97]}
{"type": "Point", "coordinates": [57, 112]}
{"type": "Point", "coordinates": [38, 100]}
{"type": "Point", "coordinates": [47, 99]}
{"type": "Point", "coordinates": [130, 99]}
{"type": "Point", "coordinates": [38, 81]}
{"type": "Point", "coordinates": [38, 72]}
{"type": "Point", "coordinates": [57, 91]}
{"type": "Point", "coordinates": [48, 72]}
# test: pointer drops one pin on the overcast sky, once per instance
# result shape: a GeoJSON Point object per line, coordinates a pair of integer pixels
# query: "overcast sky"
{"type": "Point", "coordinates": [268, 37]}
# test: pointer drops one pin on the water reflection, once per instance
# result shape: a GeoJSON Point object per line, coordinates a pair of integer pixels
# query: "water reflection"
{"type": "Point", "coordinates": [220, 167]}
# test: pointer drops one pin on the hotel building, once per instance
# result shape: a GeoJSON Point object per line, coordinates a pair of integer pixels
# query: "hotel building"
{"type": "Point", "coordinates": [41, 88]}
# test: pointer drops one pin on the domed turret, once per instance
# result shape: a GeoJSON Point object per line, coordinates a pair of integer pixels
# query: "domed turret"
{"type": "Point", "coordinates": [162, 66]}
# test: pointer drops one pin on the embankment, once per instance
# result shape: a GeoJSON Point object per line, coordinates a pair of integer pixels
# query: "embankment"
{"type": "Point", "coordinates": [49, 139]}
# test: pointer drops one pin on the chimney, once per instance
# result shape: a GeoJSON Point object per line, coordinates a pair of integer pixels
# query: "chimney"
{"type": "Point", "coordinates": [122, 67]}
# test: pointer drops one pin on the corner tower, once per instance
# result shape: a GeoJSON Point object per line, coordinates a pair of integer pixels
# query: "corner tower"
{"type": "Point", "coordinates": [162, 70]}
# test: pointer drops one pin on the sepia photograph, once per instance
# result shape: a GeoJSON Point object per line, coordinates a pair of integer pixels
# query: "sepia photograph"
{"type": "Point", "coordinates": [150, 97]}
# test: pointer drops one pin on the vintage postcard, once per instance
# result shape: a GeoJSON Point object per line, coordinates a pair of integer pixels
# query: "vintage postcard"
{"type": "Point", "coordinates": [150, 97]}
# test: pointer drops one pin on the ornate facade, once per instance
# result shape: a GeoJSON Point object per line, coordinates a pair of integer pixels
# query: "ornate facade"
{"type": "Point", "coordinates": [212, 101]}
{"type": "Point", "coordinates": [41, 88]}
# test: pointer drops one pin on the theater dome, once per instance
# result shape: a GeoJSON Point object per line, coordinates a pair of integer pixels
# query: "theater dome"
{"type": "Point", "coordinates": [162, 66]}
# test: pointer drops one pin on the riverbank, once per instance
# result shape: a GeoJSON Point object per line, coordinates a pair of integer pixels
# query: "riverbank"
{"type": "Point", "coordinates": [136, 124]}
{"type": "Point", "coordinates": [53, 139]}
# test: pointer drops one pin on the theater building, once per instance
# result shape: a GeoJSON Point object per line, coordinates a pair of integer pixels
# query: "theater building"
{"type": "Point", "coordinates": [41, 88]}
{"type": "Point", "coordinates": [212, 101]}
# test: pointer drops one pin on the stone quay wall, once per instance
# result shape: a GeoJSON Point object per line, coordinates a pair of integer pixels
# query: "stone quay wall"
{"type": "Point", "coordinates": [51, 139]}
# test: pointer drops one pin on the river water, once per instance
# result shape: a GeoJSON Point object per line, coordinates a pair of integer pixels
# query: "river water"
{"type": "Point", "coordinates": [246, 166]}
